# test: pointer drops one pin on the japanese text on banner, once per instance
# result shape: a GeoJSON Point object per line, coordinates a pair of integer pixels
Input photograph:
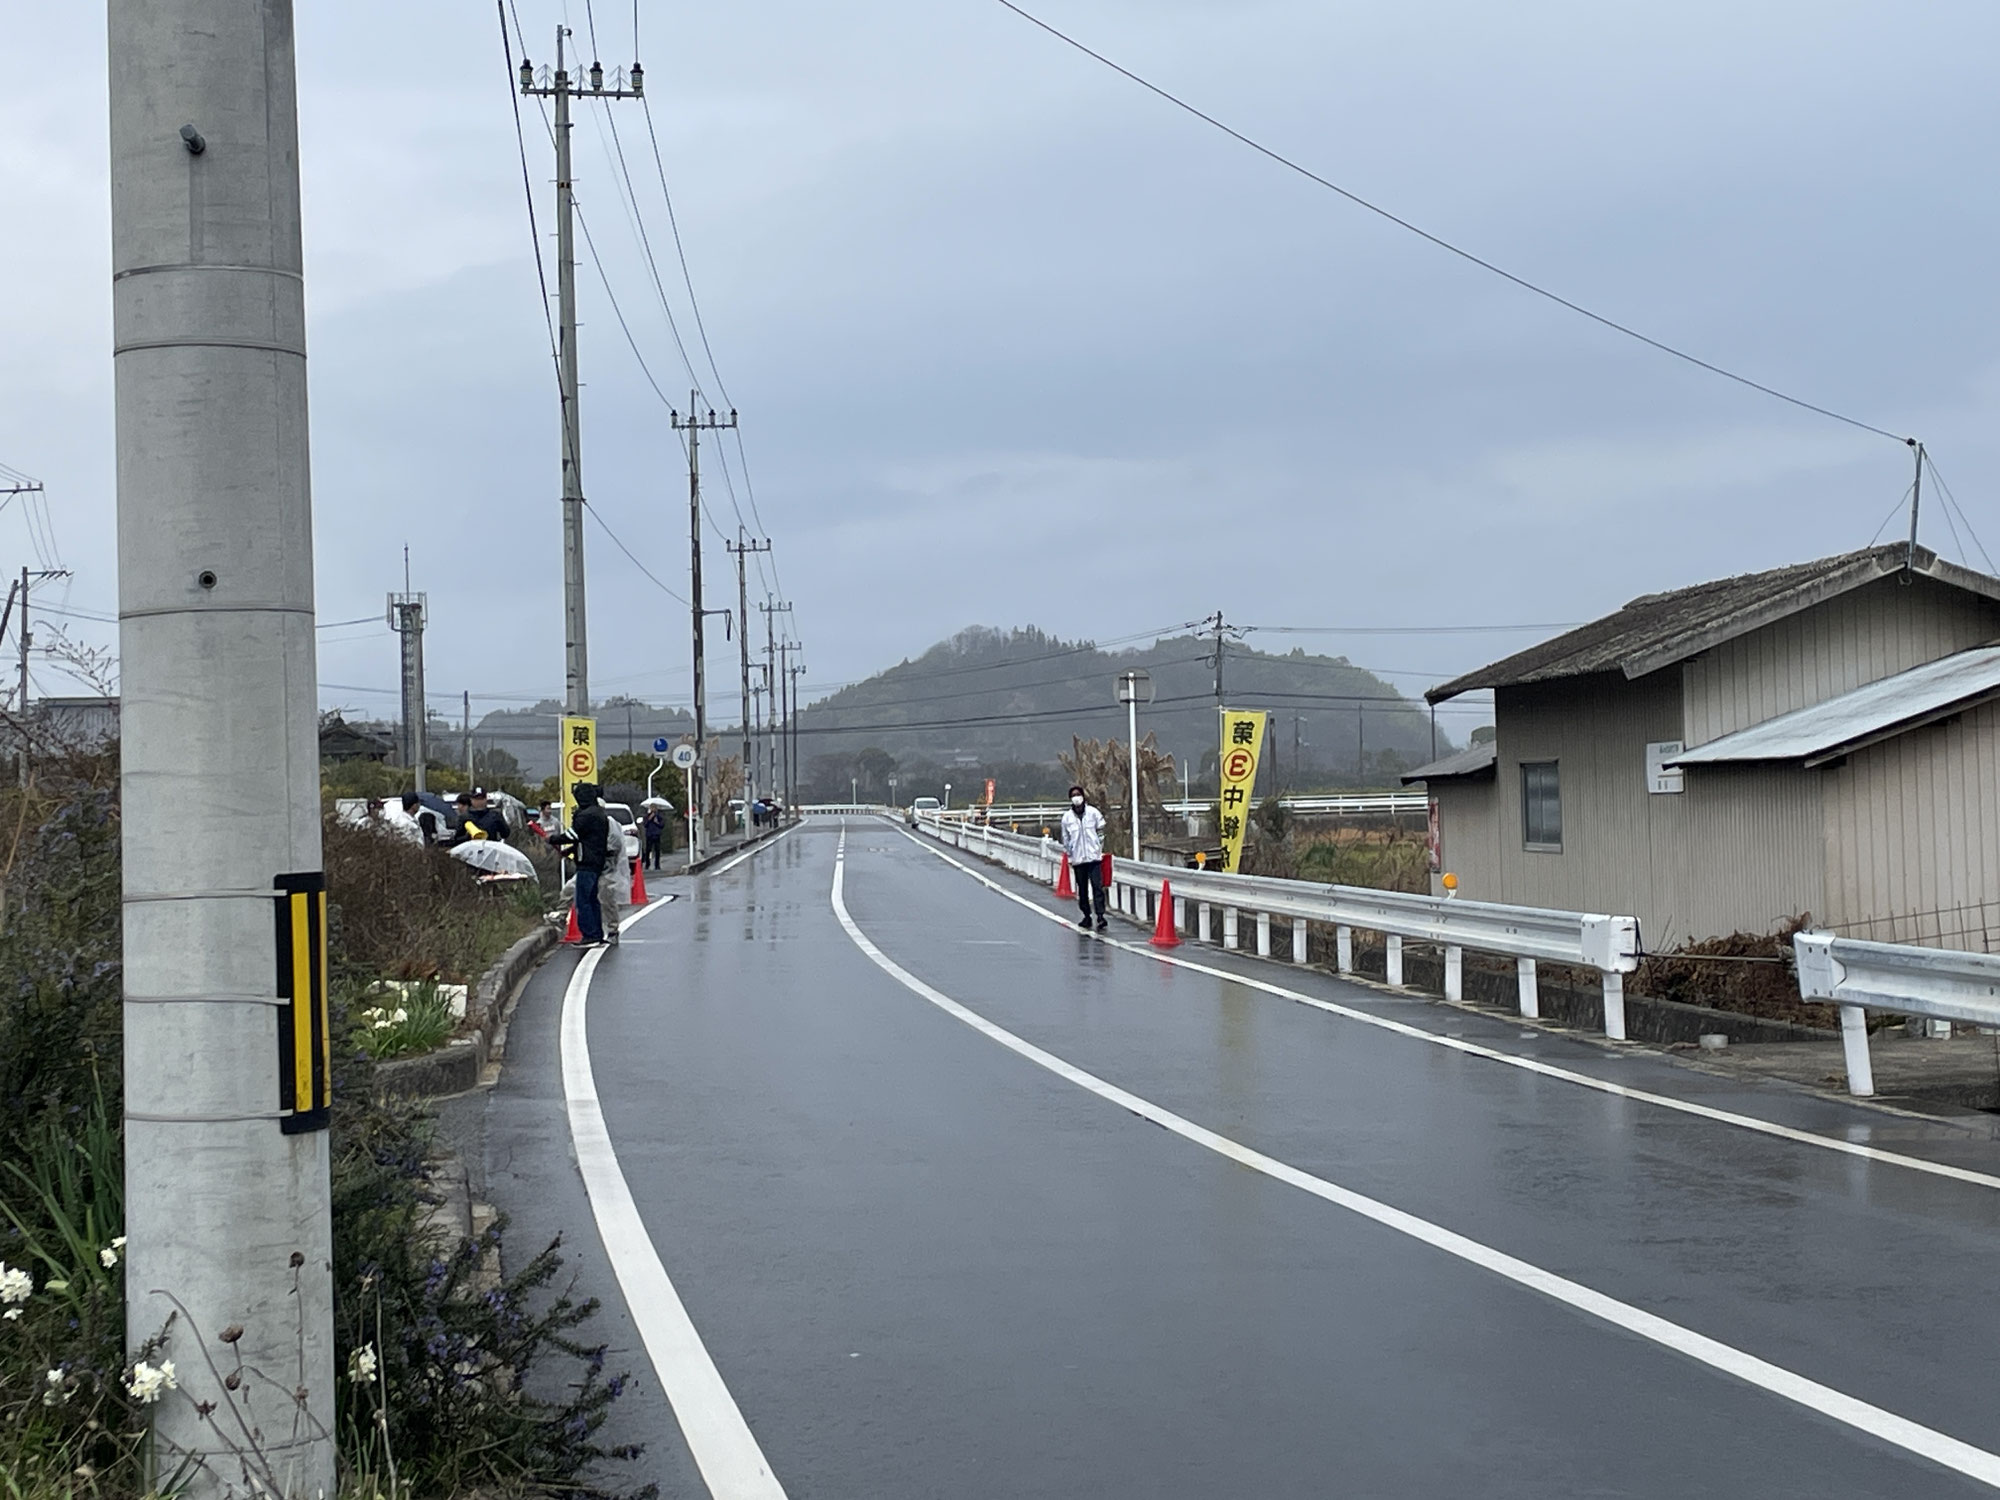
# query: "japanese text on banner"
{"type": "Point", "coordinates": [579, 761]}
{"type": "Point", "coordinates": [1242, 743]}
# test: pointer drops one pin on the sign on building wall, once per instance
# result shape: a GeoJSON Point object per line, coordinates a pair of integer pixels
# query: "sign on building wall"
{"type": "Point", "coordinates": [1660, 780]}
{"type": "Point", "coordinates": [1436, 837]}
{"type": "Point", "coordinates": [1242, 743]}
{"type": "Point", "coordinates": [579, 761]}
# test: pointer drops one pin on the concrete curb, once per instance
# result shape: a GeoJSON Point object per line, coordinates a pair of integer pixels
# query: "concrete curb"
{"type": "Point", "coordinates": [460, 1063]}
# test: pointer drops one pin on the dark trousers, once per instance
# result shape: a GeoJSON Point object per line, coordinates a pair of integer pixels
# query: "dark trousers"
{"type": "Point", "coordinates": [1089, 877]}
{"type": "Point", "coordinates": [652, 851]}
{"type": "Point", "coordinates": [589, 912]}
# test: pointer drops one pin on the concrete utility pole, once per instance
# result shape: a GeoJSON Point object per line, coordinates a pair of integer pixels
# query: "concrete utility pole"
{"type": "Point", "coordinates": [576, 624]}
{"type": "Point", "coordinates": [694, 425]}
{"type": "Point", "coordinates": [406, 618]}
{"type": "Point", "coordinates": [774, 685]}
{"type": "Point", "coordinates": [797, 773]}
{"type": "Point", "coordinates": [743, 549]}
{"type": "Point", "coordinates": [465, 732]}
{"type": "Point", "coordinates": [27, 640]}
{"type": "Point", "coordinates": [227, 1088]}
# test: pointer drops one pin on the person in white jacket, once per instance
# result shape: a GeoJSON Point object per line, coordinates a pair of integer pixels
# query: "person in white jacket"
{"type": "Point", "coordinates": [1083, 842]}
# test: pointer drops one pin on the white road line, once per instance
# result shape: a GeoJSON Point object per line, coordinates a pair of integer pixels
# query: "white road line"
{"type": "Point", "coordinates": [724, 1449]}
{"type": "Point", "coordinates": [1474, 1049]}
{"type": "Point", "coordinates": [1925, 1442]}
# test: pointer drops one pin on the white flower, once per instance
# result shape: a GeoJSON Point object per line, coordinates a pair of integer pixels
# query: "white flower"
{"type": "Point", "coordinates": [401, 1015]}
{"type": "Point", "coordinates": [119, 1243]}
{"type": "Point", "coordinates": [361, 1365]}
{"type": "Point", "coordinates": [107, 1257]}
{"type": "Point", "coordinates": [148, 1382]}
{"type": "Point", "coordinates": [16, 1285]}
{"type": "Point", "coordinates": [10, 1314]}
{"type": "Point", "coordinates": [57, 1393]}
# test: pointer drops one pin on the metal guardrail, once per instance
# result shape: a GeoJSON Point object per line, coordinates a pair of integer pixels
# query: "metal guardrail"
{"type": "Point", "coordinates": [1346, 802]}
{"type": "Point", "coordinates": [1940, 984]}
{"type": "Point", "coordinates": [848, 809]}
{"type": "Point", "coordinates": [1529, 935]}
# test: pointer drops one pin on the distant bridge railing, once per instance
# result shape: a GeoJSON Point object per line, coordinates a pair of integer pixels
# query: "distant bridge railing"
{"type": "Point", "coordinates": [847, 809]}
{"type": "Point", "coordinates": [1353, 803]}
{"type": "Point", "coordinates": [1939, 984]}
{"type": "Point", "coordinates": [1529, 935]}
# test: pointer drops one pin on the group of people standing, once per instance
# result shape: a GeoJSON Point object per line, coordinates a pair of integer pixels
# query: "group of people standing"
{"type": "Point", "coordinates": [474, 818]}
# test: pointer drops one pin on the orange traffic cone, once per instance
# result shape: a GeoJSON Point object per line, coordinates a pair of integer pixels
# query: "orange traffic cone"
{"type": "Point", "coordinates": [1063, 887]}
{"type": "Point", "coordinates": [575, 933]}
{"type": "Point", "coordinates": [639, 897]}
{"type": "Point", "coordinates": [1164, 935]}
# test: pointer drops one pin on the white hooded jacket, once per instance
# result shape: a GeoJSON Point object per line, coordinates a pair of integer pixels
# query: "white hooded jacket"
{"type": "Point", "coordinates": [1083, 837]}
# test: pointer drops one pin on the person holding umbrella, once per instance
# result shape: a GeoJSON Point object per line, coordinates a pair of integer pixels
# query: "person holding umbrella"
{"type": "Point", "coordinates": [654, 825]}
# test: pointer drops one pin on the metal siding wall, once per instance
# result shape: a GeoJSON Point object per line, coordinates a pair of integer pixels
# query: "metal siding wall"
{"type": "Point", "coordinates": [1913, 837]}
{"type": "Point", "coordinates": [1467, 813]}
{"type": "Point", "coordinates": [1738, 850]}
{"type": "Point", "coordinates": [1753, 854]}
{"type": "Point", "coordinates": [1876, 630]}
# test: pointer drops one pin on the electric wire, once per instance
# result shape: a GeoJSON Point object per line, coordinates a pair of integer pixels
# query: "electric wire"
{"type": "Point", "coordinates": [596, 516]}
{"type": "Point", "coordinates": [1446, 245]}
{"type": "Point", "coordinates": [1952, 499]}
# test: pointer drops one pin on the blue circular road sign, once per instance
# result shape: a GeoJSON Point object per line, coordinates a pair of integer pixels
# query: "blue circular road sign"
{"type": "Point", "coordinates": [659, 747]}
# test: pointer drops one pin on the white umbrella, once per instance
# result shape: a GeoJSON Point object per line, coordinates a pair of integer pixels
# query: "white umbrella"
{"type": "Point", "coordinates": [656, 802]}
{"type": "Point", "coordinates": [494, 857]}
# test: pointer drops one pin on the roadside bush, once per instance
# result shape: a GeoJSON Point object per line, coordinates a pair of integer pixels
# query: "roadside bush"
{"type": "Point", "coordinates": [479, 1381]}
{"type": "Point", "coordinates": [401, 911]}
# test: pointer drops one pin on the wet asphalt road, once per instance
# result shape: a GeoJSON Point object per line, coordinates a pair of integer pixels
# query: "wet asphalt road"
{"type": "Point", "coordinates": [926, 1267]}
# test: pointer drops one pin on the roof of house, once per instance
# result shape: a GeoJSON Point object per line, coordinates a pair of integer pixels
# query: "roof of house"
{"type": "Point", "coordinates": [1869, 714]}
{"type": "Point", "coordinates": [1474, 760]}
{"type": "Point", "coordinates": [1656, 630]}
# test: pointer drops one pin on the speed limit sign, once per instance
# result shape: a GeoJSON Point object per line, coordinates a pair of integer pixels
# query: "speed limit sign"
{"type": "Point", "coordinates": [684, 756]}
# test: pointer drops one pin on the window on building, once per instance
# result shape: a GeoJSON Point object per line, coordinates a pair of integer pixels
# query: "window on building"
{"type": "Point", "coordinates": [1541, 805]}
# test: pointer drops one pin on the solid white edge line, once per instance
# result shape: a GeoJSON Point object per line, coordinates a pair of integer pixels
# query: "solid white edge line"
{"type": "Point", "coordinates": [1474, 1049]}
{"type": "Point", "coordinates": [723, 1447]}
{"type": "Point", "coordinates": [1912, 1437]}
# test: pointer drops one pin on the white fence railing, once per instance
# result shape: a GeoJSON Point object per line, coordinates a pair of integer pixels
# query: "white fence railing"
{"type": "Point", "coordinates": [1529, 935]}
{"type": "Point", "coordinates": [1353, 803]}
{"type": "Point", "coordinates": [1939, 984]}
{"type": "Point", "coordinates": [847, 809]}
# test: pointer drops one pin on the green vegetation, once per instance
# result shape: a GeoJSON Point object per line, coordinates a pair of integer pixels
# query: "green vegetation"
{"type": "Point", "coordinates": [459, 1377]}
{"type": "Point", "coordinates": [402, 1020]}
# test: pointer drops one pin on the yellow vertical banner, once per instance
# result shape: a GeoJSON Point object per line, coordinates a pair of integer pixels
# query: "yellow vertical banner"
{"type": "Point", "coordinates": [1242, 744]}
{"type": "Point", "coordinates": [579, 761]}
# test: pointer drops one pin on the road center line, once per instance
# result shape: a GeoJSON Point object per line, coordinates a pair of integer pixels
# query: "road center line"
{"type": "Point", "coordinates": [1474, 1049]}
{"type": "Point", "coordinates": [724, 1449]}
{"type": "Point", "coordinates": [1912, 1437]}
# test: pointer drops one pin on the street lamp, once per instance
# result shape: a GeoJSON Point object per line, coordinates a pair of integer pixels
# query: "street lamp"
{"type": "Point", "coordinates": [1133, 689]}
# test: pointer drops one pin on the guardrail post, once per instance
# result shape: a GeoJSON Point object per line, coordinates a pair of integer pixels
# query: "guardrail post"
{"type": "Point", "coordinates": [1343, 949]}
{"type": "Point", "coordinates": [1229, 932]}
{"type": "Point", "coordinates": [1202, 929]}
{"type": "Point", "coordinates": [1395, 950]}
{"type": "Point", "coordinates": [1263, 934]}
{"type": "Point", "coordinates": [1614, 1005]}
{"type": "Point", "coordinates": [1531, 996]}
{"type": "Point", "coordinates": [1854, 1044]}
{"type": "Point", "coordinates": [1454, 973]}
{"type": "Point", "coordinates": [1180, 916]}
{"type": "Point", "coordinates": [1298, 940]}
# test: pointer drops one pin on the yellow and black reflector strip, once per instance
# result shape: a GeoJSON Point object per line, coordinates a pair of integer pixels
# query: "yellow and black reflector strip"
{"type": "Point", "coordinates": [305, 1035]}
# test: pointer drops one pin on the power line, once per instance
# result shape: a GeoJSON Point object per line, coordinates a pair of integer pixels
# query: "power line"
{"type": "Point", "coordinates": [1952, 501]}
{"type": "Point", "coordinates": [1447, 245]}
{"type": "Point", "coordinates": [597, 516]}
{"type": "Point", "coordinates": [1405, 629]}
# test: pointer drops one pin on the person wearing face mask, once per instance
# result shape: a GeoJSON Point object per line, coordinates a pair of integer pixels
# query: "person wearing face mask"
{"type": "Point", "coordinates": [1083, 842]}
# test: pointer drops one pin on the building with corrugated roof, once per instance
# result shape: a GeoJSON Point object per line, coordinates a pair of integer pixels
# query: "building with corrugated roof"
{"type": "Point", "coordinates": [1822, 738]}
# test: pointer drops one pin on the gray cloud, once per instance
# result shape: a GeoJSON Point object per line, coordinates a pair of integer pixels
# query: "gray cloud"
{"type": "Point", "coordinates": [1015, 342]}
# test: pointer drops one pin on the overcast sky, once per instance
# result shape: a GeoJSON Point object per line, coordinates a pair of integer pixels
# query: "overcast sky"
{"type": "Point", "coordinates": [1015, 342]}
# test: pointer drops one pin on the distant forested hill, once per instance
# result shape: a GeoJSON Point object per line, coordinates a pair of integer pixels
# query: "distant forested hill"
{"type": "Point", "coordinates": [989, 698]}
